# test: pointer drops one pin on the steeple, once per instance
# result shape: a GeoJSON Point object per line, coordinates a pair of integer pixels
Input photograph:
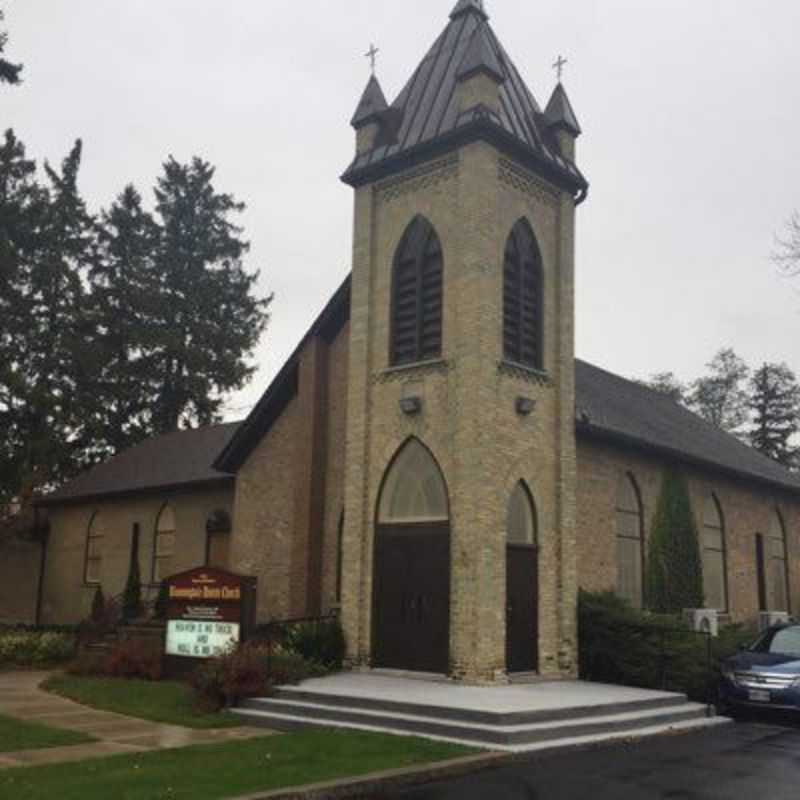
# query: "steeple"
{"type": "Point", "coordinates": [559, 112]}
{"type": "Point", "coordinates": [372, 103]}
{"type": "Point", "coordinates": [469, 6]}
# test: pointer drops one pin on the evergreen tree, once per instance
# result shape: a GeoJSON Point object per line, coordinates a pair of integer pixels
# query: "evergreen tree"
{"type": "Point", "coordinates": [9, 73]}
{"type": "Point", "coordinates": [132, 597]}
{"type": "Point", "coordinates": [43, 330]}
{"type": "Point", "coordinates": [667, 383]}
{"type": "Point", "coordinates": [207, 320]}
{"type": "Point", "coordinates": [775, 403]}
{"type": "Point", "coordinates": [721, 396]}
{"type": "Point", "coordinates": [674, 575]}
{"type": "Point", "coordinates": [21, 207]}
{"type": "Point", "coordinates": [124, 297]}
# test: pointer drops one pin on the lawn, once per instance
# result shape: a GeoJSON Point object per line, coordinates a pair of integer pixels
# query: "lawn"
{"type": "Point", "coordinates": [18, 735]}
{"type": "Point", "coordinates": [164, 701]}
{"type": "Point", "coordinates": [211, 772]}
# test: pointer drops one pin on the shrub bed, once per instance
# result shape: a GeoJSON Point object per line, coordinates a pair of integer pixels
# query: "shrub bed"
{"type": "Point", "coordinates": [19, 648]}
{"type": "Point", "coordinates": [252, 670]}
{"type": "Point", "coordinates": [131, 658]}
{"type": "Point", "coordinates": [619, 644]}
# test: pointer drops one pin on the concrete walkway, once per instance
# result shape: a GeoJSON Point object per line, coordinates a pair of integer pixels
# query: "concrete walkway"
{"type": "Point", "coordinates": [21, 697]}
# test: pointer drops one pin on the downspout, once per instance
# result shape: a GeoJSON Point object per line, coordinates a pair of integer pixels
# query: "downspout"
{"type": "Point", "coordinates": [42, 565]}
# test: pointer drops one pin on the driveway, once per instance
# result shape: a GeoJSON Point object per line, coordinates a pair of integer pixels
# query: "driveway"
{"type": "Point", "coordinates": [754, 760]}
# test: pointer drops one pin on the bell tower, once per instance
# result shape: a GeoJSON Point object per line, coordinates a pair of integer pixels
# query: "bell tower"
{"type": "Point", "coordinates": [459, 533]}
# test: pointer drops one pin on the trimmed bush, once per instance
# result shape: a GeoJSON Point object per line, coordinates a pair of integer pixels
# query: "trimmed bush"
{"type": "Point", "coordinates": [25, 649]}
{"type": "Point", "coordinates": [620, 645]}
{"type": "Point", "coordinates": [135, 658]}
{"type": "Point", "coordinates": [320, 642]}
{"type": "Point", "coordinates": [251, 670]}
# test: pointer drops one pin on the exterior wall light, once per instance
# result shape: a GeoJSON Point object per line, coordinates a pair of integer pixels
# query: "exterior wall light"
{"type": "Point", "coordinates": [525, 406]}
{"type": "Point", "coordinates": [411, 405]}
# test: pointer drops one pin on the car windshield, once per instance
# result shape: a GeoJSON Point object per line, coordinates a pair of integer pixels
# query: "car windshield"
{"type": "Point", "coordinates": [784, 641]}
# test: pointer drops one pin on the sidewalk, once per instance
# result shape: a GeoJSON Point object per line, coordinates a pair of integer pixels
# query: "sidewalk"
{"type": "Point", "coordinates": [21, 697]}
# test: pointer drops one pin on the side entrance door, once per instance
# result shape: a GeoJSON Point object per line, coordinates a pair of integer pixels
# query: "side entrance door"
{"type": "Point", "coordinates": [411, 597]}
{"type": "Point", "coordinates": [522, 612]}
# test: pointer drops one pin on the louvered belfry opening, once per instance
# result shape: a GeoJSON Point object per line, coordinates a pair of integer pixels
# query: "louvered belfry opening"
{"type": "Point", "coordinates": [522, 299]}
{"type": "Point", "coordinates": [417, 296]}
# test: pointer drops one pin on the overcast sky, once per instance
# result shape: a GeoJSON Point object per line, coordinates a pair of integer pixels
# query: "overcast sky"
{"type": "Point", "coordinates": [691, 143]}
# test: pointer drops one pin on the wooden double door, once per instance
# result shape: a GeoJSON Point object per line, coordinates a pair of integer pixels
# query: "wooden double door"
{"type": "Point", "coordinates": [522, 608]}
{"type": "Point", "coordinates": [411, 598]}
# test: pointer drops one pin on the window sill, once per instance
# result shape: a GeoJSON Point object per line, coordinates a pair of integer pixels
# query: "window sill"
{"type": "Point", "coordinates": [434, 366]}
{"type": "Point", "coordinates": [531, 374]}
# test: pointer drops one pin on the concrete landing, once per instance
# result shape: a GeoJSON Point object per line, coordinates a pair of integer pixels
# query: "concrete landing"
{"type": "Point", "coordinates": [525, 717]}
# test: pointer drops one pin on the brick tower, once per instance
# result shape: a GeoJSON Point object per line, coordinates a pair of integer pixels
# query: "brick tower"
{"type": "Point", "coordinates": [459, 533]}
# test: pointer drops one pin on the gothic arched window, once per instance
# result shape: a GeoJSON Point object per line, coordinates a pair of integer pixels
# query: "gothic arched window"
{"type": "Point", "coordinates": [521, 527]}
{"type": "Point", "coordinates": [95, 539]}
{"type": "Point", "coordinates": [164, 547]}
{"type": "Point", "coordinates": [417, 295]}
{"type": "Point", "coordinates": [714, 582]}
{"type": "Point", "coordinates": [218, 537]}
{"type": "Point", "coordinates": [523, 322]}
{"type": "Point", "coordinates": [777, 575]}
{"type": "Point", "coordinates": [630, 536]}
{"type": "Point", "coordinates": [414, 490]}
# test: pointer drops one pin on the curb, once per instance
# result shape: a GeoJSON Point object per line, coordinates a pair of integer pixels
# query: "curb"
{"type": "Point", "coordinates": [386, 780]}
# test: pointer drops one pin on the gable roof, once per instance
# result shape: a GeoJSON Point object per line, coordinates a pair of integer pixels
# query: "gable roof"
{"type": "Point", "coordinates": [173, 461]}
{"type": "Point", "coordinates": [425, 115]}
{"type": "Point", "coordinates": [614, 408]}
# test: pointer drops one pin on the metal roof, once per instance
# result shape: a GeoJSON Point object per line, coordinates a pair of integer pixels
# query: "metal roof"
{"type": "Point", "coordinates": [426, 112]}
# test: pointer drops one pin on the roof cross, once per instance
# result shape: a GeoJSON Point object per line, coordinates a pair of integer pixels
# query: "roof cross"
{"type": "Point", "coordinates": [372, 55]}
{"type": "Point", "coordinates": [561, 62]}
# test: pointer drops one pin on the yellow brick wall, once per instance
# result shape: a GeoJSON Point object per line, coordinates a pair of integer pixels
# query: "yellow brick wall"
{"type": "Point", "coordinates": [746, 509]}
{"type": "Point", "coordinates": [67, 598]}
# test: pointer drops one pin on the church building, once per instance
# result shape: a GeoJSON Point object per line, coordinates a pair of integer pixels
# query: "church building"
{"type": "Point", "coordinates": [432, 463]}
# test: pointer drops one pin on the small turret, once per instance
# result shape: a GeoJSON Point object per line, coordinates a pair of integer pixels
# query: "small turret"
{"type": "Point", "coordinates": [562, 121]}
{"type": "Point", "coordinates": [367, 119]}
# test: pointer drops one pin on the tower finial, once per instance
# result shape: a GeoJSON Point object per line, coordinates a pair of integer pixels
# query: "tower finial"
{"type": "Point", "coordinates": [465, 6]}
{"type": "Point", "coordinates": [372, 55]}
{"type": "Point", "coordinates": [561, 62]}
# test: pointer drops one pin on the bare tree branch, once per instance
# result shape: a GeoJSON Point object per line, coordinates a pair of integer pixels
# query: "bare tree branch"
{"type": "Point", "coordinates": [787, 253]}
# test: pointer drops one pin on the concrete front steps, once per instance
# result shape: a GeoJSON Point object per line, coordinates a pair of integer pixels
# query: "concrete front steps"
{"type": "Point", "coordinates": [529, 728]}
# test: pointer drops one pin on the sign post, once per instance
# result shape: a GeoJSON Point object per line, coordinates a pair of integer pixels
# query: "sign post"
{"type": "Point", "coordinates": [210, 611]}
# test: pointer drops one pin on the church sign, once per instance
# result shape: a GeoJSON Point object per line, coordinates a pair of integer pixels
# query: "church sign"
{"type": "Point", "coordinates": [209, 612]}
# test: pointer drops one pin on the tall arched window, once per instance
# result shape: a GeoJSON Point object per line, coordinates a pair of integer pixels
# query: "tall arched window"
{"type": "Point", "coordinates": [521, 526]}
{"type": "Point", "coordinates": [164, 549]}
{"type": "Point", "coordinates": [95, 539]}
{"type": "Point", "coordinates": [523, 313]}
{"type": "Point", "coordinates": [414, 490]}
{"type": "Point", "coordinates": [417, 295]}
{"type": "Point", "coordinates": [630, 536]}
{"type": "Point", "coordinates": [714, 581]}
{"type": "Point", "coordinates": [777, 575]}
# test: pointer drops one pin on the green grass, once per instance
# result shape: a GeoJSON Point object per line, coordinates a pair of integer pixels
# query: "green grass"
{"type": "Point", "coordinates": [211, 772]}
{"type": "Point", "coordinates": [18, 735]}
{"type": "Point", "coordinates": [164, 701]}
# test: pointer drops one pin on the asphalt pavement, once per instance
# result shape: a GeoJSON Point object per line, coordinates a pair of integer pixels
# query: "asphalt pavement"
{"type": "Point", "coordinates": [752, 760]}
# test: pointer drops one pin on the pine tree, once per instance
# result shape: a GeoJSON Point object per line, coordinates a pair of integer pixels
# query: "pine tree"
{"type": "Point", "coordinates": [207, 321]}
{"type": "Point", "coordinates": [9, 73]}
{"type": "Point", "coordinates": [775, 403]}
{"type": "Point", "coordinates": [124, 296]}
{"type": "Point", "coordinates": [21, 212]}
{"type": "Point", "coordinates": [43, 329]}
{"type": "Point", "coordinates": [132, 597]}
{"type": "Point", "coordinates": [668, 384]}
{"type": "Point", "coordinates": [721, 396]}
{"type": "Point", "coordinates": [674, 575]}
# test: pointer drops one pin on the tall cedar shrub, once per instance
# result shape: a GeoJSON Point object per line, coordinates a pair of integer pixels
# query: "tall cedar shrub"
{"type": "Point", "coordinates": [98, 606]}
{"type": "Point", "coordinates": [674, 577]}
{"type": "Point", "coordinates": [132, 599]}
